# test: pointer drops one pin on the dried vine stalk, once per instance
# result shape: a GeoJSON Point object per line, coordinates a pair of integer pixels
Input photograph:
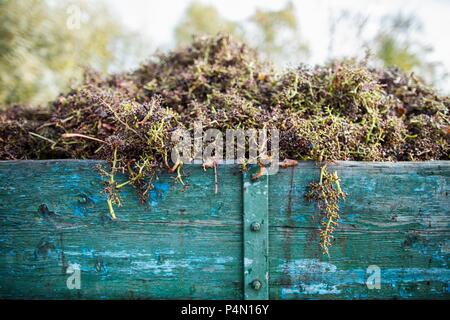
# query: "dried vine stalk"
{"type": "Point", "coordinates": [326, 193]}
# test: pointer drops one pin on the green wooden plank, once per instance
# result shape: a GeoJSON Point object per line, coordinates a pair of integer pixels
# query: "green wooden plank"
{"type": "Point", "coordinates": [180, 245]}
{"type": "Point", "coordinates": [256, 236]}
{"type": "Point", "coordinates": [396, 216]}
{"type": "Point", "coordinates": [188, 244]}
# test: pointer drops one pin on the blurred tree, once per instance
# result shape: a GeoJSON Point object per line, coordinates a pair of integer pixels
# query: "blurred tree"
{"type": "Point", "coordinates": [400, 43]}
{"type": "Point", "coordinates": [44, 45]}
{"type": "Point", "coordinates": [279, 34]}
{"type": "Point", "coordinates": [275, 33]}
{"type": "Point", "coordinates": [393, 43]}
{"type": "Point", "coordinates": [203, 19]}
{"type": "Point", "coordinates": [392, 53]}
{"type": "Point", "coordinates": [397, 40]}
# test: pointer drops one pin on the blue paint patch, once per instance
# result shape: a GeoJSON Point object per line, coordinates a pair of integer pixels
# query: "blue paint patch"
{"type": "Point", "coordinates": [79, 212]}
{"type": "Point", "coordinates": [157, 193]}
{"type": "Point", "coordinates": [85, 268]}
{"type": "Point", "coordinates": [87, 252]}
{"type": "Point", "coordinates": [162, 186]}
{"type": "Point", "coordinates": [346, 218]}
{"type": "Point", "coordinates": [97, 198]}
{"type": "Point", "coordinates": [72, 182]}
{"type": "Point", "coordinates": [299, 218]}
{"type": "Point", "coordinates": [215, 210]}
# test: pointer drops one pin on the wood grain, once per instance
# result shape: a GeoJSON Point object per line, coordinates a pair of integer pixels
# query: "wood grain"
{"type": "Point", "coordinates": [255, 239]}
{"type": "Point", "coordinates": [181, 244]}
{"type": "Point", "coordinates": [188, 243]}
{"type": "Point", "coordinates": [396, 216]}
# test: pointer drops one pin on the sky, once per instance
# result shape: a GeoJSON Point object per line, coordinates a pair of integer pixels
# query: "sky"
{"type": "Point", "coordinates": [156, 20]}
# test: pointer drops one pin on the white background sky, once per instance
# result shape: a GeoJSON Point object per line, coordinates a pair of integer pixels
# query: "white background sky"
{"type": "Point", "coordinates": [156, 19]}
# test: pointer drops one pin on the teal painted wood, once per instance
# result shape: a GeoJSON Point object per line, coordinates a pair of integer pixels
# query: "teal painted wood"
{"type": "Point", "coordinates": [256, 236]}
{"type": "Point", "coordinates": [396, 216]}
{"type": "Point", "coordinates": [180, 245]}
{"type": "Point", "coordinates": [188, 244]}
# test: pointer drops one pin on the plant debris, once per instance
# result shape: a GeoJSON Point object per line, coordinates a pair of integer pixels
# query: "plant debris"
{"type": "Point", "coordinates": [343, 110]}
{"type": "Point", "coordinates": [326, 193]}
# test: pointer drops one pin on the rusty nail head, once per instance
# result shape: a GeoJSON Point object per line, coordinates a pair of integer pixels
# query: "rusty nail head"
{"type": "Point", "coordinates": [255, 226]}
{"type": "Point", "coordinates": [256, 284]}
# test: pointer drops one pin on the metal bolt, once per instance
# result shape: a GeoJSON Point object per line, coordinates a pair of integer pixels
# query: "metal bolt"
{"type": "Point", "coordinates": [256, 284]}
{"type": "Point", "coordinates": [83, 199]}
{"type": "Point", "coordinates": [255, 226]}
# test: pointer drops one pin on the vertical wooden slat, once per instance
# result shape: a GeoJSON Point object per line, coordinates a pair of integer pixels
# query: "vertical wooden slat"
{"type": "Point", "coordinates": [256, 236]}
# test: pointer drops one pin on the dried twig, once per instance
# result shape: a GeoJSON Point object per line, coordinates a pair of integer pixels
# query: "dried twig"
{"type": "Point", "coordinates": [79, 135]}
{"type": "Point", "coordinates": [42, 137]}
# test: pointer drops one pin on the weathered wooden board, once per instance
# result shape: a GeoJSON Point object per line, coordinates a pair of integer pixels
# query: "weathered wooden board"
{"type": "Point", "coordinates": [189, 244]}
{"type": "Point", "coordinates": [255, 235]}
{"type": "Point", "coordinates": [396, 216]}
{"type": "Point", "coordinates": [182, 244]}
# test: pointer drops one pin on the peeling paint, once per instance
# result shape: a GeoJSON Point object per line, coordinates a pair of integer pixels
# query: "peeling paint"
{"type": "Point", "coordinates": [192, 245]}
{"type": "Point", "coordinates": [247, 262]}
{"type": "Point", "coordinates": [300, 266]}
{"type": "Point", "coordinates": [313, 289]}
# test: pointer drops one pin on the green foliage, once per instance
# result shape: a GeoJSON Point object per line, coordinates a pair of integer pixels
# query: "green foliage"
{"type": "Point", "coordinates": [327, 193]}
{"type": "Point", "coordinates": [398, 42]}
{"type": "Point", "coordinates": [277, 28]}
{"type": "Point", "coordinates": [268, 31]}
{"type": "Point", "coordinates": [393, 44]}
{"type": "Point", "coordinates": [43, 48]}
{"type": "Point", "coordinates": [393, 54]}
{"type": "Point", "coordinates": [340, 111]}
{"type": "Point", "coordinates": [202, 19]}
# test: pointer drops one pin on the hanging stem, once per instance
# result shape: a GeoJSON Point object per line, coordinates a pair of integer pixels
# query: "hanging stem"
{"type": "Point", "coordinates": [216, 186]}
{"type": "Point", "coordinates": [326, 193]}
{"type": "Point", "coordinates": [42, 137]}
{"type": "Point", "coordinates": [79, 135]}
{"type": "Point", "coordinates": [322, 172]}
{"type": "Point", "coordinates": [111, 209]}
{"type": "Point", "coordinates": [179, 174]}
{"type": "Point", "coordinates": [112, 197]}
